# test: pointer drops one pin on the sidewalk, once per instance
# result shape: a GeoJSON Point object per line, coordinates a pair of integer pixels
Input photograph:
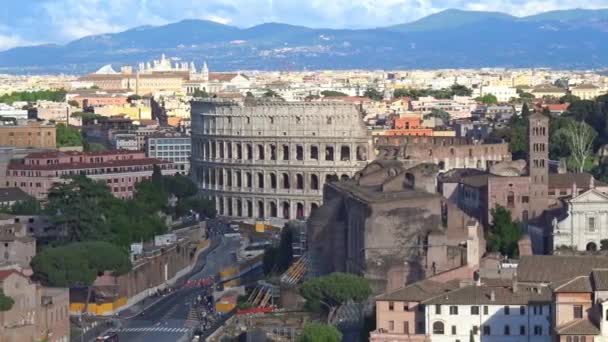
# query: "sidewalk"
{"type": "Point", "coordinates": [150, 301]}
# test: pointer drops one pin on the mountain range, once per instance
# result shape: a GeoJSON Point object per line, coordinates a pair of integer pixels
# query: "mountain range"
{"type": "Point", "coordinates": [572, 39]}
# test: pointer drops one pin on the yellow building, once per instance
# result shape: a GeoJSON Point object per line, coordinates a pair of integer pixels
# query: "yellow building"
{"type": "Point", "coordinates": [134, 113]}
{"type": "Point", "coordinates": [586, 91]}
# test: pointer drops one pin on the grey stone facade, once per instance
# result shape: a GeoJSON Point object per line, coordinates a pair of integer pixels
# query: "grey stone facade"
{"type": "Point", "coordinates": [271, 159]}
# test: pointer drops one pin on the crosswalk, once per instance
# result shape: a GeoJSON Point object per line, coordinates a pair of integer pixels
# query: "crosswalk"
{"type": "Point", "coordinates": [156, 329]}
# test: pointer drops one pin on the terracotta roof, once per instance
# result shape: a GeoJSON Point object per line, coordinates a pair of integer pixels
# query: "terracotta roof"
{"type": "Point", "coordinates": [56, 154]}
{"type": "Point", "coordinates": [565, 180]}
{"type": "Point", "coordinates": [73, 166]}
{"type": "Point", "coordinates": [586, 86]}
{"type": "Point", "coordinates": [477, 181]}
{"type": "Point", "coordinates": [418, 291]}
{"type": "Point", "coordinates": [578, 327]}
{"type": "Point", "coordinates": [557, 268]}
{"type": "Point", "coordinates": [479, 295]}
{"type": "Point", "coordinates": [222, 77]}
{"type": "Point", "coordinates": [6, 273]}
{"type": "Point", "coordinates": [600, 279]}
{"type": "Point", "coordinates": [581, 284]}
{"type": "Point", "coordinates": [455, 175]}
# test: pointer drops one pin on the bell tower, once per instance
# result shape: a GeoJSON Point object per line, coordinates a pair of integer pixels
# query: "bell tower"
{"type": "Point", "coordinates": [538, 163]}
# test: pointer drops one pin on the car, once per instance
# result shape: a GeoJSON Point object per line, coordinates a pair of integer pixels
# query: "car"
{"type": "Point", "coordinates": [110, 336]}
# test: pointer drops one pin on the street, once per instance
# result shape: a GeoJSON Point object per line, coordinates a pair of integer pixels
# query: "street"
{"type": "Point", "coordinates": [168, 319]}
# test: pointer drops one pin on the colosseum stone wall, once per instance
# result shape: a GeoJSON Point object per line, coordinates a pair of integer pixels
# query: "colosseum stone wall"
{"type": "Point", "coordinates": [264, 159]}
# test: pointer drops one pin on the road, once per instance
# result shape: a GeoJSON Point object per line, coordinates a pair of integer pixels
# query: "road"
{"type": "Point", "coordinates": [168, 319]}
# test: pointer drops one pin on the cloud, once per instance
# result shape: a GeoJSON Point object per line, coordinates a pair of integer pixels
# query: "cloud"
{"type": "Point", "coordinates": [59, 21]}
{"type": "Point", "coordinates": [11, 41]}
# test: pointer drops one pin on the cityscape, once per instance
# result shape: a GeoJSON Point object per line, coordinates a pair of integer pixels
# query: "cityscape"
{"type": "Point", "coordinates": [225, 177]}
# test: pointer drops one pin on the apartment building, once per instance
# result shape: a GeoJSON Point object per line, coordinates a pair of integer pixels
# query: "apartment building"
{"type": "Point", "coordinates": [28, 135]}
{"type": "Point", "coordinates": [174, 147]}
{"type": "Point", "coordinates": [120, 169]}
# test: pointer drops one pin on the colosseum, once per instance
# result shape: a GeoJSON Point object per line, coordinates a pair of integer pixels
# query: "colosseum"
{"type": "Point", "coordinates": [270, 159]}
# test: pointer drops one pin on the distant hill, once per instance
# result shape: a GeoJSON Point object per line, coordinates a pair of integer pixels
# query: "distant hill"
{"type": "Point", "coordinates": [448, 39]}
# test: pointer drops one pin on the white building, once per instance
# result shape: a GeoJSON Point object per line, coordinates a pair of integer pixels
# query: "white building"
{"type": "Point", "coordinates": [585, 223]}
{"type": "Point", "coordinates": [170, 146]}
{"type": "Point", "coordinates": [502, 93]}
{"type": "Point", "coordinates": [490, 314]}
{"type": "Point", "coordinates": [7, 111]}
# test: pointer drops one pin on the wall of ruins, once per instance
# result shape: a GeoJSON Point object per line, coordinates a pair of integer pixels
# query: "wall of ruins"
{"type": "Point", "coordinates": [271, 159]}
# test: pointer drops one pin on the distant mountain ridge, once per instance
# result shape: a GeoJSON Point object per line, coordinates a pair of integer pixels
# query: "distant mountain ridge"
{"type": "Point", "coordinates": [448, 39]}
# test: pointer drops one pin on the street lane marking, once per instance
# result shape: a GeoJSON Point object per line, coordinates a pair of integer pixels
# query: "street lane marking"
{"type": "Point", "coordinates": [156, 329]}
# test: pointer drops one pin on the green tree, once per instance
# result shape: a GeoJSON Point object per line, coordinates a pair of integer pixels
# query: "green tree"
{"type": "Point", "coordinates": [332, 93]}
{"type": "Point", "coordinates": [33, 96]}
{"type": "Point", "coordinates": [285, 251]}
{"type": "Point", "coordinates": [271, 94]}
{"type": "Point", "coordinates": [68, 136]}
{"type": "Point", "coordinates": [569, 98]}
{"type": "Point", "coordinates": [334, 289]}
{"type": "Point", "coordinates": [374, 94]}
{"type": "Point", "coordinates": [488, 99]}
{"type": "Point", "coordinates": [78, 264]}
{"type": "Point", "coordinates": [504, 233]}
{"type": "Point", "coordinates": [133, 97]}
{"type": "Point", "coordinates": [74, 103]}
{"type": "Point", "coordinates": [525, 111]}
{"type": "Point", "coordinates": [460, 90]}
{"type": "Point", "coordinates": [6, 302]}
{"type": "Point", "coordinates": [157, 176]}
{"type": "Point", "coordinates": [30, 206]}
{"type": "Point", "coordinates": [76, 206]}
{"type": "Point", "coordinates": [318, 332]}
{"type": "Point", "coordinates": [179, 185]}
{"type": "Point", "coordinates": [249, 95]}
{"type": "Point", "coordinates": [93, 147]}
{"type": "Point", "coordinates": [440, 114]}
{"type": "Point", "coordinates": [200, 93]}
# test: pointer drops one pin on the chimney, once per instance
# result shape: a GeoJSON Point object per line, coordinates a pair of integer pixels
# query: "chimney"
{"type": "Point", "coordinates": [492, 296]}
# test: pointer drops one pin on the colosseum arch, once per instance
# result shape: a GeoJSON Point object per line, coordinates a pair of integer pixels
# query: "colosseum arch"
{"type": "Point", "coordinates": [285, 149]}
{"type": "Point", "coordinates": [249, 151]}
{"type": "Point", "coordinates": [230, 208]}
{"type": "Point", "coordinates": [273, 180]}
{"type": "Point", "coordinates": [249, 208]}
{"type": "Point", "coordinates": [344, 177]}
{"type": "Point", "coordinates": [221, 149]}
{"type": "Point", "coordinates": [286, 210]}
{"type": "Point", "coordinates": [273, 152]}
{"type": "Point", "coordinates": [329, 153]}
{"type": "Point", "coordinates": [228, 178]}
{"type": "Point", "coordinates": [273, 209]}
{"type": "Point", "coordinates": [239, 151]}
{"type": "Point", "coordinates": [314, 182]}
{"type": "Point", "coordinates": [221, 205]}
{"type": "Point", "coordinates": [345, 153]}
{"type": "Point", "coordinates": [248, 180]}
{"type": "Point", "coordinates": [299, 152]}
{"type": "Point", "coordinates": [229, 150]}
{"type": "Point", "coordinates": [285, 181]}
{"type": "Point", "coordinates": [213, 150]}
{"type": "Point", "coordinates": [299, 181]}
{"type": "Point", "coordinates": [239, 208]}
{"type": "Point", "coordinates": [361, 153]}
{"type": "Point", "coordinates": [314, 152]}
{"type": "Point", "coordinates": [239, 179]}
{"type": "Point", "coordinates": [313, 207]}
{"type": "Point", "coordinates": [261, 209]}
{"type": "Point", "coordinates": [260, 180]}
{"type": "Point", "coordinates": [220, 177]}
{"type": "Point", "coordinates": [299, 210]}
{"type": "Point", "coordinates": [261, 152]}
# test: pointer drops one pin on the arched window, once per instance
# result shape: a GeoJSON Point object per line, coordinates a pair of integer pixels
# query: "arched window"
{"type": "Point", "coordinates": [314, 152]}
{"type": "Point", "coordinates": [314, 182]}
{"type": "Point", "coordinates": [438, 328]}
{"type": "Point", "coordinates": [285, 208]}
{"type": "Point", "coordinates": [345, 153]}
{"type": "Point", "coordinates": [299, 211]}
{"type": "Point", "coordinates": [313, 207]}
{"type": "Point", "coordinates": [229, 206]}
{"type": "Point", "coordinates": [239, 208]}
{"type": "Point", "coordinates": [249, 209]}
{"type": "Point", "coordinates": [285, 152]}
{"type": "Point", "coordinates": [239, 152]}
{"type": "Point", "coordinates": [260, 180]}
{"type": "Point", "coordinates": [591, 247]}
{"type": "Point", "coordinates": [285, 181]}
{"type": "Point", "coordinates": [273, 152]}
{"type": "Point", "coordinates": [299, 182]}
{"type": "Point", "coordinates": [273, 209]}
{"type": "Point", "coordinates": [261, 209]}
{"type": "Point", "coordinates": [344, 178]}
{"type": "Point", "coordinates": [273, 181]}
{"type": "Point", "coordinates": [249, 152]}
{"type": "Point", "coordinates": [261, 152]}
{"type": "Point", "coordinates": [248, 180]}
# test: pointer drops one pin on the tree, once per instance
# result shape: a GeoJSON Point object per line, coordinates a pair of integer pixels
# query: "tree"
{"type": "Point", "coordinates": [200, 93]}
{"type": "Point", "coordinates": [74, 103]}
{"type": "Point", "coordinates": [269, 259]}
{"type": "Point", "coordinates": [271, 94]}
{"type": "Point", "coordinates": [333, 93]}
{"type": "Point", "coordinates": [373, 94]}
{"type": "Point", "coordinates": [334, 289]}
{"type": "Point", "coordinates": [569, 98]}
{"type": "Point", "coordinates": [318, 332]}
{"type": "Point", "coordinates": [132, 98]}
{"type": "Point", "coordinates": [604, 245]}
{"type": "Point", "coordinates": [460, 90]}
{"type": "Point", "coordinates": [249, 95]}
{"type": "Point", "coordinates": [580, 140]}
{"type": "Point", "coordinates": [488, 99]}
{"type": "Point", "coordinates": [440, 114]}
{"type": "Point", "coordinates": [33, 96]}
{"type": "Point", "coordinates": [525, 111]}
{"type": "Point", "coordinates": [157, 176]}
{"type": "Point", "coordinates": [285, 251]}
{"type": "Point", "coordinates": [67, 136]}
{"type": "Point", "coordinates": [78, 264]}
{"type": "Point", "coordinates": [504, 233]}
{"type": "Point", "coordinates": [30, 206]}
{"type": "Point", "coordinates": [6, 302]}
{"type": "Point", "coordinates": [93, 147]}
{"type": "Point", "coordinates": [178, 185]}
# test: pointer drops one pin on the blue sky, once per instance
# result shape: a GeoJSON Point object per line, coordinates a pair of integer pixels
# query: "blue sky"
{"type": "Point", "coordinates": [26, 22]}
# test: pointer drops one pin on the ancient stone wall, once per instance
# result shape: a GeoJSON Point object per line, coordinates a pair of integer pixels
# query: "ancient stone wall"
{"type": "Point", "coordinates": [271, 159]}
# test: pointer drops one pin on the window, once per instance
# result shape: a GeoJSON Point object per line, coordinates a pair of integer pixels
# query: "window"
{"type": "Point", "coordinates": [485, 310]}
{"type": "Point", "coordinates": [438, 328]}
{"type": "Point", "coordinates": [475, 330]}
{"type": "Point", "coordinates": [486, 330]}
{"type": "Point", "coordinates": [453, 310]}
{"type": "Point", "coordinates": [406, 307]}
{"type": "Point", "coordinates": [538, 330]}
{"type": "Point", "coordinates": [391, 325]}
{"type": "Point", "coordinates": [437, 309]}
{"type": "Point", "coordinates": [474, 310]}
{"type": "Point", "coordinates": [406, 327]}
{"type": "Point", "coordinates": [453, 330]}
{"type": "Point", "coordinates": [525, 199]}
{"type": "Point", "coordinates": [578, 311]}
{"type": "Point", "coordinates": [591, 224]}
{"type": "Point", "coordinates": [507, 310]}
{"type": "Point", "coordinates": [507, 330]}
{"type": "Point", "coordinates": [391, 306]}
{"type": "Point", "coordinates": [522, 330]}
{"type": "Point", "coordinates": [522, 310]}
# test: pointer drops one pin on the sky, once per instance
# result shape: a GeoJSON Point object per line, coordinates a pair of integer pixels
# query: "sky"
{"type": "Point", "coordinates": [29, 22]}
